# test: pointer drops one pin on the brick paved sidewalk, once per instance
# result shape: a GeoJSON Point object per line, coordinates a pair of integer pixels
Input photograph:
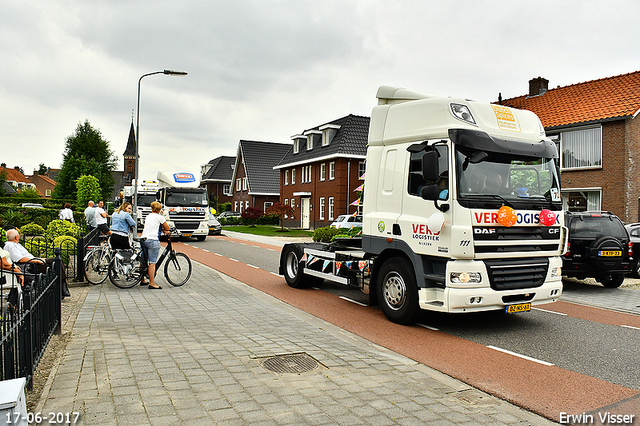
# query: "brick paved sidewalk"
{"type": "Point", "coordinates": [205, 353]}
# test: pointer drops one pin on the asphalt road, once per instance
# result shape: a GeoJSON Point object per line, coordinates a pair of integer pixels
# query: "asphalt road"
{"type": "Point", "coordinates": [580, 339]}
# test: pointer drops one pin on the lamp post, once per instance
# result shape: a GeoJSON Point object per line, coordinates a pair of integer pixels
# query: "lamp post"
{"type": "Point", "coordinates": [135, 190]}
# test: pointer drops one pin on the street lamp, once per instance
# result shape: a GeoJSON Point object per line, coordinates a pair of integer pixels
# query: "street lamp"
{"type": "Point", "coordinates": [135, 190]}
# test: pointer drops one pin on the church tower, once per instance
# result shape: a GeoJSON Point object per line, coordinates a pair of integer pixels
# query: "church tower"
{"type": "Point", "coordinates": [130, 157]}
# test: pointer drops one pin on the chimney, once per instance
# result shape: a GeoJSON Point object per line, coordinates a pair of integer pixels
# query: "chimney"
{"type": "Point", "coordinates": [3, 165]}
{"type": "Point", "coordinates": [538, 86]}
{"type": "Point", "coordinates": [16, 168]}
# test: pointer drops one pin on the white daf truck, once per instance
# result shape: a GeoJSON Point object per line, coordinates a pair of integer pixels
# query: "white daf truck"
{"type": "Point", "coordinates": [461, 212]}
{"type": "Point", "coordinates": [146, 195]}
{"type": "Point", "coordinates": [185, 205]}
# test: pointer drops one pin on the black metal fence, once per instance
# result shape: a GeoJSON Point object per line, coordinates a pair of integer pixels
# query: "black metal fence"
{"type": "Point", "coordinates": [84, 243]}
{"type": "Point", "coordinates": [29, 320]}
{"type": "Point", "coordinates": [70, 252]}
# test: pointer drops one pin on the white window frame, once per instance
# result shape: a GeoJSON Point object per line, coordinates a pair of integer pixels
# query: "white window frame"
{"type": "Point", "coordinates": [286, 177]}
{"type": "Point", "coordinates": [246, 205]}
{"type": "Point", "coordinates": [226, 189]}
{"type": "Point", "coordinates": [235, 206]}
{"type": "Point", "coordinates": [309, 142]}
{"type": "Point", "coordinates": [362, 168]}
{"type": "Point", "coordinates": [266, 205]}
{"type": "Point", "coordinates": [323, 170]}
{"type": "Point", "coordinates": [293, 176]}
{"type": "Point", "coordinates": [244, 184]}
{"type": "Point", "coordinates": [296, 146]}
{"type": "Point", "coordinates": [593, 196]}
{"type": "Point", "coordinates": [586, 142]}
{"type": "Point", "coordinates": [321, 208]}
{"type": "Point", "coordinates": [332, 170]}
{"type": "Point", "coordinates": [293, 208]}
{"type": "Point", "coordinates": [331, 207]}
{"type": "Point", "coordinates": [238, 184]}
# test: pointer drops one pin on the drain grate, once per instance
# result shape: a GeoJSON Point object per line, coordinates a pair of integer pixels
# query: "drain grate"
{"type": "Point", "coordinates": [296, 363]}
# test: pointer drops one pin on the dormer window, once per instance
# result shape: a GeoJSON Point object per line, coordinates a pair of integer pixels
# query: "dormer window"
{"type": "Point", "coordinates": [328, 133]}
{"type": "Point", "coordinates": [297, 141]}
{"type": "Point", "coordinates": [313, 136]}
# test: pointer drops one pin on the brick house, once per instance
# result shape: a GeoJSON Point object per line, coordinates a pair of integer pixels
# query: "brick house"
{"type": "Point", "coordinates": [597, 129]}
{"type": "Point", "coordinates": [216, 178]}
{"type": "Point", "coordinates": [322, 169]}
{"type": "Point", "coordinates": [16, 179]}
{"type": "Point", "coordinates": [254, 182]}
{"type": "Point", "coordinates": [44, 184]}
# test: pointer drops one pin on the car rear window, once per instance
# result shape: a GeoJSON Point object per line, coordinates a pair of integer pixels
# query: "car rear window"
{"type": "Point", "coordinates": [591, 227]}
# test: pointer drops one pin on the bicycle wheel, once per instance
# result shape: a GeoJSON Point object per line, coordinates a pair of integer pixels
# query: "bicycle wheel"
{"type": "Point", "coordinates": [177, 270]}
{"type": "Point", "coordinates": [125, 274]}
{"type": "Point", "coordinates": [96, 266]}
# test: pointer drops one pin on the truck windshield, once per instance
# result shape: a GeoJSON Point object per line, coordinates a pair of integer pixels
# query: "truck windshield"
{"type": "Point", "coordinates": [186, 199]}
{"type": "Point", "coordinates": [145, 200]}
{"type": "Point", "coordinates": [492, 178]}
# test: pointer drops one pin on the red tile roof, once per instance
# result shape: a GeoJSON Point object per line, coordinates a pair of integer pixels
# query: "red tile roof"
{"type": "Point", "coordinates": [15, 176]}
{"type": "Point", "coordinates": [597, 100]}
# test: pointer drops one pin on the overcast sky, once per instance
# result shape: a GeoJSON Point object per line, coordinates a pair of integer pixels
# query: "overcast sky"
{"type": "Point", "coordinates": [266, 70]}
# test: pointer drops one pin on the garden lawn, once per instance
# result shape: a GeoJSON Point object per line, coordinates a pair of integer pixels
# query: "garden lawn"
{"type": "Point", "coordinates": [269, 231]}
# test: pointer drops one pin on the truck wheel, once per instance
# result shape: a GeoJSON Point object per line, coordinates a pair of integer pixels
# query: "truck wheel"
{"type": "Point", "coordinates": [201, 237]}
{"type": "Point", "coordinates": [291, 265]}
{"type": "Point", "coordinates": [397, 291]}
{"type": "Point", "coordinates": [613, 281]}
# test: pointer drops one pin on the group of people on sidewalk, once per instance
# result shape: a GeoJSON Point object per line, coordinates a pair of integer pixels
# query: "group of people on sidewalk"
{"type": "Point", "coordinates": [123, 226]}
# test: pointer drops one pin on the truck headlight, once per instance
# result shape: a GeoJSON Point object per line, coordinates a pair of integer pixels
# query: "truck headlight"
{"type": "Point", "coordinates": [465, 277]}
{"type": "Point", "coordinates": [556, 272]}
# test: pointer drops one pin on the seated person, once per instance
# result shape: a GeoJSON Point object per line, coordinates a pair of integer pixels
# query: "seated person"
{"type": "Point", "coordinates": [5, 264]}
{"type": "Point", "coordinates": [19, 254]}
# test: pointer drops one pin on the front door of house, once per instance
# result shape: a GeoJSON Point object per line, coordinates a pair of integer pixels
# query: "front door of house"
{"type": "Point", "coordinates": [305, 209]}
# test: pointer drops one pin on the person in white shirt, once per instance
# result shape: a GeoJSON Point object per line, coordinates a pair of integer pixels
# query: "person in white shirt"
{"type": "Point", "coordinates": [90, 216]}
{"type": "Point", "coordinates": [151, 245]}
{"type": "Point", "coordinates": [19, 254]}
{"type": "Point", "coordinates": [66, 213]}
{"type": "Point", "coordinates": [101, 219]}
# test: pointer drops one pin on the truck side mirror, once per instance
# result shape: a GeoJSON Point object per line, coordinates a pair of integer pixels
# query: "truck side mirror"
{"type": "Point", "coordinates": [430, 192]}
{"type": "Point", "coordinates": [430, 168]}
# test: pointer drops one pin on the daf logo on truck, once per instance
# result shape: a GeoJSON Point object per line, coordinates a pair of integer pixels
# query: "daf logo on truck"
{"type": "Point", "coordinates": [487, 174]}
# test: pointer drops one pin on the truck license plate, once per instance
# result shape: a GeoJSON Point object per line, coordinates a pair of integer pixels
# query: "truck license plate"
{"type": "Point", "coordinates": [610, 253]}
{"type": "Point", "coordinates": [521, 307]}
{"type": "Point", "coordinates": [186, 235]}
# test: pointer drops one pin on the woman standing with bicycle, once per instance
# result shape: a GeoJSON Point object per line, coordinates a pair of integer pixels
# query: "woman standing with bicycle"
{"type": "Point", "coordinates": [121, 225]}
{"type": "Point", "coordinates": [152, 225]}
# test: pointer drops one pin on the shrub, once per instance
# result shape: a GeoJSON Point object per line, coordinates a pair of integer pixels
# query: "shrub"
{"type": "Point", "coordinates": [325, 234]}
{"type": "Point", "coordinates": [67, 245]}
{"type": "Point", "coordinates": [57, 228]}
{"type": "Point", "coordinates": [3, 236]}
{"type": "Point", "coordinates": [38, 247]}
{"type": "Point", "coordinates": [348, 233]}
{"type": "Point", "coordinates": [32, 229]}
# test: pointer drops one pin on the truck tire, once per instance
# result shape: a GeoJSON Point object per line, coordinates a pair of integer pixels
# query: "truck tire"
{"type": "Point", "coordinates": [397, 291]}
{"type": "Point", "coordinates": [612, 281]}
{"type": "Point", "coordinates": [292, 265]}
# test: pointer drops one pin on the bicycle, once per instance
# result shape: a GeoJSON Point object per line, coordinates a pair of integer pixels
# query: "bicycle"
{"type": "Point", "coordinates": [96, 262]}
{"type": "Point", "coordinates": [128, 267]}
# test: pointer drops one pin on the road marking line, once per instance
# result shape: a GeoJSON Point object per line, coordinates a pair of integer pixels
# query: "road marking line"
{"type": "Point", "coordinates": [235, 260]}
{"type": "Point", "coordinates": [630, 326]}
{"type": "Point", "coordinates": [218, 254]}
{"type": "Point", "coordinates": [206, 250]}
{"type": "Point", "coordinates": [352, 301]}
{"type": "Point", "coordinates": [428, 327]}
{"type": "Point", "coordinates": [253, 266]}
{"type": "Point", "coordinates": [521, 356]}
{"type": "Point", "coordinates": [277, 275]}
{"type": "Point", "coordinates": [551, 312]}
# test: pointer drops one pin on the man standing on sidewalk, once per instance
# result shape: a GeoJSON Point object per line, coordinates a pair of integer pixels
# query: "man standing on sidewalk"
{"type": "Point", "coordinates": [90, 216]}
{"type": "Point", "coordinates": [101, 219]}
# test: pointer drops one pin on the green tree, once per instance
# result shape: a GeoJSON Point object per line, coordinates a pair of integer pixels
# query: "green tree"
{"type": "Point", "coordinates": [282, 211]}
{"type": "Point", "coordinates": [86, 153]}
{"type": "Point", "coordinates": [42, 169]}
{"type": "Point", "coordinates": [88, 188]}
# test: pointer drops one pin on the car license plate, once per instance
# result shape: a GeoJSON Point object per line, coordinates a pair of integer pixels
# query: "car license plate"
{"type": "Point", "coordinates": [521, 307]}
{"type": "Point", "coordinates": [186, 235]}
{"type": "Point", "coordinates": [610, 253]}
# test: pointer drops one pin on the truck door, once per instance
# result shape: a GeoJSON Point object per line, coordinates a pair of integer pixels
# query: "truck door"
{"type": "Point", "coordinates": [305, 210]}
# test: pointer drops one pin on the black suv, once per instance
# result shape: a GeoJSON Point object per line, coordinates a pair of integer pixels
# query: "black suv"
{"type": "Point", "coordinates": [599, 247]}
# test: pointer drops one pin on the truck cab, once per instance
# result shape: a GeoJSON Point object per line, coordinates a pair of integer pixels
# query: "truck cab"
{"type": "Point", "coordinates": [185, 205]}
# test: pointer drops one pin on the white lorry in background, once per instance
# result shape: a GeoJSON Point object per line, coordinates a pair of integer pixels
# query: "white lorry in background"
{"type": "Point", "coordinates": [461, 212]}
{"type": "Point", "coordinates": [185, 205]}
{"type": "Point", "coordinates": [146, 195]}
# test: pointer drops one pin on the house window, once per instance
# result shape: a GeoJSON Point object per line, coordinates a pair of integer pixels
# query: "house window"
{"type": "Point", "coordinates": [322, 171]}
{"type": "Point", "coordinates": [296, 146]}
{"type": "Point", "coordinates": [266, 205]}
{"type": "Point", "coordinates": [246, 205]}
{"type": "Point", "coordinates": [286, 203]}
{"type": "Point", "coordinates": [321, 208]}
{"type": "Point", "coordinates": [582, 148]}
{"type": "Point", "coordinates": [361, 169]}
{"type": "Point", "coordinates": [238, 184]}
{"type": "Point", "coordinates": [582, 200]}
{"type": "Point", "coordinates": [226, 189]}
{"type": "Point", "coordinates": [331, 209]}
{"type": "Point", "coordinates": [293, 176]}
{"type": "Point", "coordinates": [332, 170]}
{"type": "Point", "coordinates": [235, 206]}
{"type": "Point", "coordinates": [309, 142]}
{"type": "Point", "coordinates": [244, 183]}
{"type": "Point", "coordinates": [286, 177]}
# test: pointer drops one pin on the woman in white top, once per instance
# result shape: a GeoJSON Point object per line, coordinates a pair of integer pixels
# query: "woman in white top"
{"type": "Point", "coordinates": [66, 213]}
{"type": "Point", "coordinates": [151, 245]}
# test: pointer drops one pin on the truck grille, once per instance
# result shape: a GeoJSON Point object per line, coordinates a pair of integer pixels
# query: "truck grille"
{"type": "Point", "coordinates": [186, 226]}
{"type": "Point", "coordinates": [516, 239]}
{"type": "Point", "coordinates": [511, 274]}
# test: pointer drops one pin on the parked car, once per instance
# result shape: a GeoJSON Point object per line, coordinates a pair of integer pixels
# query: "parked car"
{"type": "Point", "coordinates": [347, 221]}
{"type": "Point", "coordinates": [214, 226]}
{"type": "Point", "coordinates": [32, 205]}
{"type": "Point", "coordinates": [229, 215]}
{"type": "Point", "coordinates": [599, 247]}
{"type": "Point", "coordinates": [634, 232]}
